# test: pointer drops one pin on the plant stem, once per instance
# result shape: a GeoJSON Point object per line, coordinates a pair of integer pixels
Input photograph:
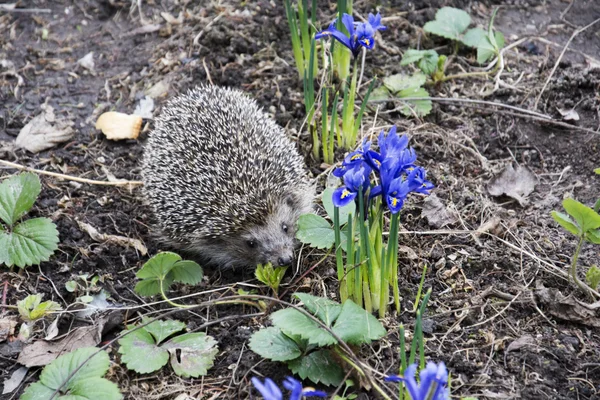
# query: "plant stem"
{"type": "Point", "coordinates": [360, 371]}
{"type": "Point", "coordinates": [583, 286]}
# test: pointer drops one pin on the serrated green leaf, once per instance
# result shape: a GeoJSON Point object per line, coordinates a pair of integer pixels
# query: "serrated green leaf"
{"type": "Point", "coordinates": [356, 326]}
{"type": "Point", "coordinates": [188, 272]}
{"type": "Point", "coordinates": [398, 82]}
{"type": "Point", "coordinates": [380, 94]}
{"type": "Point", "coordinates": [272, 344]}
{"type": "Point", "coordinates": [327, 200]}
{"type": "Point", "coordinates": [140, 353]}
{"type": "Point", "coordinates": [151, 286]}
{"type": "Point", "coordinates": [270, 276]}
{"type": "Point", "coordinates": [473, 37]}
{"type": "Point", "coordinates": [324, 309]}
{"type": "Point", "coordinates": [57, 372]}
{"type": "Point", "coordinates": [592, 276]}
{"type": "Point", "coordinates": [17, 195]}
{"type": "Point", "coordinates": [93, 389]}
{"type": "Point", "coordinates": [449, 23]}
{"type": "Point", "coordinates": [32, 308]}
{"type": "Point", "coordinates": [44, 308]}
{"type": "Point", "coordinates": [586, 218]}
{"type": "Point", "coordinates": [418, 107]}
{"type": "Point", "coordinates": [318, 366]}
{"type": "Point", "coordinates": [426, 59]}
{"type": "Point", "coordinates": [192, 354]}
{"type": "Point", "coordinates": [158, 266]}
{"type": "Point", "coordinates": [315, 231]}
{"type": "Point", "coordinates": [294, 322]}
{"type": "Point", "coordinates": [162, 329]}
{"type": "Point", "coordinates": [38, 391]}
{"type": "Point", "coordinates": [566, 222]}
{"type": "Point", "coordinates": [31, 242]}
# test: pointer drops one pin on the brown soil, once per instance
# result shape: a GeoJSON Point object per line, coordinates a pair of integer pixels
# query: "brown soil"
{"type": "Point", "coordinates": [486, 287]}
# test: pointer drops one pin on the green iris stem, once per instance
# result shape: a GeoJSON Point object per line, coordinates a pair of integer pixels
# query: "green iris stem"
{"type": "Point", "coordinates": [393, 258]}
{"type": "Point", "coordinates": [349, 277]}
{"type": "Point", "coordinates": [324, 128]}
{"type": "Point", "coordinates": [338, 244]}
{"type": "Point", "coordinates": [296, 44]}
{"type": "Point", "coordinates": [383, 284]}
{"type": "Point", "coordinates": [359, 370]}
{"type": "Point", "coordinates": [349, 137]}
{"type": "Point", "coordinates": [365, 246]}
{"type": "Point", "coordinates": [418, 297]}
{"type": "Point", "coordinates": [403, 364]}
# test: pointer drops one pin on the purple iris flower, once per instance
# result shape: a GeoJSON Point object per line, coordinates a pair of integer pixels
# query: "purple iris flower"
{"type": "Point", "coordinates": [270, 391]}
{"type": "Point", "coordinates": [418, 182]}
{"type": "Point", "coordinates": [360, 34]}
{"type": "Point", "coordinates": [432, 381]}
{"type": "Point", "coordinates": [355, 180]}
{"type": "Point", "coordinates": [396, 193]}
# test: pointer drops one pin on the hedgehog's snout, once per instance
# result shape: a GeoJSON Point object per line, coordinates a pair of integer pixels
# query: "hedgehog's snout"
{"type": "Point", "coordinates": [282, 258]}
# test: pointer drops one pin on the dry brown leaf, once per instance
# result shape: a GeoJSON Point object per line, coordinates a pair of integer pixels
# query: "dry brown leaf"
{"type": "Point", "coordinates": [44, 131]}
{"type": "Point", "coordinates": [516, 182]}
{"type": "Point", "coordinates": [7, 328]}
{"type": "Point", "coordinates": [436, 213]}
{"type": "Point", "coordinates": [119, 126]}
{"type": "Point", "coordinates": [567, 308]}
{"type": "Point", "coordinates": [114, 239]}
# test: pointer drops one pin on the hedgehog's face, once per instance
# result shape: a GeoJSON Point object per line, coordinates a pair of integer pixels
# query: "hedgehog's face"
{"type": "Point", "coordinates": [275, 240]}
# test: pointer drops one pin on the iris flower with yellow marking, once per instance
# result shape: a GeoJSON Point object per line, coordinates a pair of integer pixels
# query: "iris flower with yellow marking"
{"type": "Point", "coordinates": [360, 34]}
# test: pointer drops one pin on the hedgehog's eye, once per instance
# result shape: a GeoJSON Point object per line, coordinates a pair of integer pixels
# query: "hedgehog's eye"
{"type": "Point", "coordinates": [284, 227]}
{"type": "Point", "coordinates": [251, 243]}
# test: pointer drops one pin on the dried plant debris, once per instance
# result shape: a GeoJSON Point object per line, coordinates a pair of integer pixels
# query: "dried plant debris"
{"type": "Point", "coordinates": [567, 308]}
{"type": "Point", "coordinates": [45, 131]}
{"type": "Point", "coordinates": [514, 181]}
{"type": "Point", "coordinates": [119, 126]}
{"type": "Point", "coordinates": [436, 213]}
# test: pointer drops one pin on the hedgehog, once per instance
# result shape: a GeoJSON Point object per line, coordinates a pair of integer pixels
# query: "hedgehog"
{"type": "Point", "coordinates": [224, 181]}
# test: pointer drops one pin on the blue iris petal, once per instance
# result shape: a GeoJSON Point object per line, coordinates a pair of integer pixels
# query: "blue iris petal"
{"type": "Point", "coordinates": [432, 381]}
{"type": "Point", "coordinates": [418, 182]}
{"type": "Point", "coordinates": [293, 386]}
{"type": "Point", "coordinates": [342, 196]}
{"type": "Point", "coordinates": [375, 21]}
{"type": "Point", "coordinates": [316, 393]}
{"type": "Point", "coordinates": [360, 34]}
{"type": "Point", "coordinates": [396, 194]}
{"type": "Point", "coordinates": [348, 22]}
{"type": "Point", "coordinates": [269, 389]}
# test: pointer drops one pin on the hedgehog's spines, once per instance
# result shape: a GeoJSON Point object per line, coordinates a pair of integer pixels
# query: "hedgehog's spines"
{"type": "Point", "coordinates": [216, 167]}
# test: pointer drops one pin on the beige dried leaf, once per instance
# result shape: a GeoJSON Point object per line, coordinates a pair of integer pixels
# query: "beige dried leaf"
{"type": "Point", "coordinates": [119, 126]}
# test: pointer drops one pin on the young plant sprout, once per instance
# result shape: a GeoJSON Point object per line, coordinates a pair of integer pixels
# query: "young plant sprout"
{"type": "Point", "coordinates": [371, 267]}
{"type": "Point", "coordinates": [270, 391]}
{"type": "Point", "coordinates": [432, 382]}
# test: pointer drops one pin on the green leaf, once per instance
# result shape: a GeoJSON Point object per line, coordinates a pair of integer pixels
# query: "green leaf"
{"type": "Point", "coordinates": [418, 107]}
{"type": "Point", "coordinates": [566, 222]}
{"type": "Point", "coordinates": [318, 366]}
{"type": "Point", "coordinates": [32, 308]}
{"type": "Point", "coordinates": [379, 94]}
{"type": "Point", "coordinates": [315, 231]}
{"type": "Point", "coordinates": [140, 353]}
{"type": "Point", "coordinates": [17, 195]}
{"type": "Point", "coordinates": [273, 344]}
{"type": "Point", "coordinates": [38, 391]}
{"type": "Point", "coordinates": [270, 276]}
{"type": "Point", "coordinates": [592, 276]}
{"type": "Point", "coordinates": [187, 272]}
{"type": "Point", "coordinates": [449, 23]}
{"type": "Point", "coordinates": [158, 266]}
{"type": "Point", "coordinates": [327, 200]}
{"type": "Point", "coordinates": [486, 50]}
{"type": "Point", "coordinates": [162, 329]}
{"type": "Point", "coordinates": [586, 218]}
{"type": "Point", "coordinates": [71, 286]}
{"type": "Point", "coordinates": [94, 389]}
{"type": "Point", "coordinates": [473, 37]}
{"type": "Point", "coordinates": [192, 354]}
{"type": "Point", "coordinates": [294, 322]}
{"type": "Point", "coordinates": [30, 242]}
{"type": "Point", "coordinates": [356, 326]}
{"type": "Point", "coordinates": [597, 206]}
{"type": "Point", "coordinates": [324, 309]}
{"type": "Point", "coordinates": [593, 236]}
{"type": "Point", "coordinates": [57, 372]}
{"type": "Point", "coordinates": [151, 286]}
{"type": "Point", "coordinates": [398, 82]}
{"type": "Point", "coordinates": [597, 171]}
{"type": "Point", "coordinates": [426, 59]}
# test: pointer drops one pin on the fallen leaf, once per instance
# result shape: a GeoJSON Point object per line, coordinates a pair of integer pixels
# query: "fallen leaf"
{"type": "Point", "coordinates": [145, 107]}
{"type": "Point", "coordinates": [114, 239]}
{"type": "Point", "coordinates": [7, 328]}
{"type": "Point", "coordinates": [436, 213]}
{"type": "Point", "coordinates": [119, 126]}
{"type": "Point", "coordinates": [513, 182]}
{"type": "Point", "coordinates": [523, 341]}
{"type": "Point", "coordinates": [43, 352]}
{"type": "Point", "coordinates": [569, 115]}
{"type": "Point", "coordinates": [567, 308]}
{"type": "Point", "coordinates": [15, 380]}
{"type": "Point", "coordinates": [44, 131]}
{"type": "Point", "coordinates": [159, 89]}
{"type": "Point", "coordinates": [87, 61]}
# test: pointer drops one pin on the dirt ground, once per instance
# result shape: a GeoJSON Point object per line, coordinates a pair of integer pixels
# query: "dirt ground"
{"type": "Point", "coordinates": [500, 315]}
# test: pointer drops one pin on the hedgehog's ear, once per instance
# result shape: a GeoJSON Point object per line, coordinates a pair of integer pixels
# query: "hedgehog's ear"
{"type": "Point", "coordinates": [291, 199]}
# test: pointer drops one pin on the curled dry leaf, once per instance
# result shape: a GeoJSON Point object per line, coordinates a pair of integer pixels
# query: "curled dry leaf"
{"type": "Point", "coordinates": [119, 240]}
{"type": "Point", "coordinates": [44, 131]}
{"type": "Point", "coordinates": [437, 214]}
{"type": "Point", "coordinates": [119, 126]}
{"type": "Point", "coordinates": [514, 181]}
